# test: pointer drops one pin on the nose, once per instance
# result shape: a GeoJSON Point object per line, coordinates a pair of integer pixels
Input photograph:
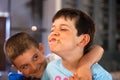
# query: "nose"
{"type": "Point", "coordinates": [34, 67]}
{"type": "Point", "coordinates": [55, 33]}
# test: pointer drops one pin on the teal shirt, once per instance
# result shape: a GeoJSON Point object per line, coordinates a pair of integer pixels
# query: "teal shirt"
{"type": "Point", "coordinates": [56, 71]}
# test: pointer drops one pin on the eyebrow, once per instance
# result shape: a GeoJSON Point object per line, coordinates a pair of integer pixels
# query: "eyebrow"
{"type": "Point", "coordinates": [37, 53]}
{"type": "Point", "coordinates": [60, 25]}
{"type": "Point", "coordinates": [23, 65]}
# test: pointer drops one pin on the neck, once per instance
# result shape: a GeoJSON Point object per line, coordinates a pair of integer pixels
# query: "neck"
{"type": "Point", "coordinates": [71, 58]}
{"type": "Point", "coordinates": [71, 63]}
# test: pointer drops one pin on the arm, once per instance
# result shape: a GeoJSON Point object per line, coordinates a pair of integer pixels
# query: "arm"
{"type": "Point", "coordinates": [93, 56]}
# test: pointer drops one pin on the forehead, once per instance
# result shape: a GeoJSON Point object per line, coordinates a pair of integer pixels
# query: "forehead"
{"type": "Point", "coordinates": [63, 20]}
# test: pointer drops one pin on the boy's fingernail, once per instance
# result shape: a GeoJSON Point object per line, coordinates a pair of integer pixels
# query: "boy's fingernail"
{"type": "Point", "coordinates": [75, 74]}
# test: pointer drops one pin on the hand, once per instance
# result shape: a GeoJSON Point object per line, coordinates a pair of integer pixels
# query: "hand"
{"type": "Point", "coordinates": [75, 77]}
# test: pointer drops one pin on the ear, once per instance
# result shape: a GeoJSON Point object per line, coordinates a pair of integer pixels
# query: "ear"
{"type": "Point", "coordinates": [41, 47]}
{"type": "Point", "coordinates": [14, 67]}
{"type": "Point", "coordinates": [84, 40]}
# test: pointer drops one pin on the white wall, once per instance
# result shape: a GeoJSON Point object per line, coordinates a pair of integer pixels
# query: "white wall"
{"type": "Point", "coordinates": [3, 5]}
{"type": "Point", "coordinates": [20, 16]}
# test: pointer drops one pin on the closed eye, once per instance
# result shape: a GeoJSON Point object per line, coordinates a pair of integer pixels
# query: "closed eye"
{"type": "Point", "coordinates": [63, 29]}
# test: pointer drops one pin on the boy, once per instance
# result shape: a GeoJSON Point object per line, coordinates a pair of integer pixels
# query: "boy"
{"type": "Point", "coordinates": [27, 55]}
{"type": "Point", "coordinates": [71, 36]}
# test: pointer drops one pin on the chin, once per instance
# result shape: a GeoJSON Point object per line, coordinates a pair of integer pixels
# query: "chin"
{"type": "Point", "coordinates": [38, 76]}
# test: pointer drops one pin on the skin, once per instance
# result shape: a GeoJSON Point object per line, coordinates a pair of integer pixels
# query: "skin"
{"type": "Point", "coordinates": [63, 41]}
{"type": "Point", "coordinates": [32, 62]}
{"type": "Point", "coordinates": [60, 43]}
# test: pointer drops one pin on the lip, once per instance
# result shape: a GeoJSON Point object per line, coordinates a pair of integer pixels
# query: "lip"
{"type": "Point", "coordinates": [40, 68]}
{"type": "Point", "coordinates": [52, 40]}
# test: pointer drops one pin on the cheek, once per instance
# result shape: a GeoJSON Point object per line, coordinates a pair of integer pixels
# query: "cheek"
{"type": "Point", "coordinates": [67, 36]}
{"type": "Point", "coordinates": [41, 59]}
{"type": "Point", "coordinates": [68, 40]}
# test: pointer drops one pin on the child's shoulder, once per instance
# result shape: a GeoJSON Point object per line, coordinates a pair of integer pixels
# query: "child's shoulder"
{"type": "Point", "coordinates": [51, 57]}
{"type": "Point", "coordinates": [97, 67]}
{"type": "Point", "coordinates": [54, 64]}
{"type": "Point", "coordinates": [99, 71]}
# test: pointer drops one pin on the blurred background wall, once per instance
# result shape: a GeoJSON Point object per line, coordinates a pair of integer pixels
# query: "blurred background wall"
{"type": "Point", "coordinates": [34, 17]}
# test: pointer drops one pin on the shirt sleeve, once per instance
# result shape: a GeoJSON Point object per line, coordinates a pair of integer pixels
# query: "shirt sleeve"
{"type": "Point", "coordinates": [45, 76]}
{"type": "Point", "coordinates": [15, 76]}
{"type": "Point", "coordinates": [99, 73]}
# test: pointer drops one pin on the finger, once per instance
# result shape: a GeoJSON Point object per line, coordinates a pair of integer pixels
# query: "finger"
{"type": "Point", "coordinates": [76, 77]}
{"type": "Point", "coordinates": [87, 78]}
{"type": "Point", "coordinates": [71, 78]}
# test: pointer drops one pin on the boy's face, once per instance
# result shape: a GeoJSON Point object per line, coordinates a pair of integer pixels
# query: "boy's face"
{"type": "Point", "coordinates": [63, 36]}
{"type": "Point", "coordinates": [31, 63]}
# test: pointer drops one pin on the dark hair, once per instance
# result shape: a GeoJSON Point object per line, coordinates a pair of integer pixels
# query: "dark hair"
{"type": "Point", "coordinates": [84, 24]}
{"type": "Point", "coordinates": [17, 44]}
